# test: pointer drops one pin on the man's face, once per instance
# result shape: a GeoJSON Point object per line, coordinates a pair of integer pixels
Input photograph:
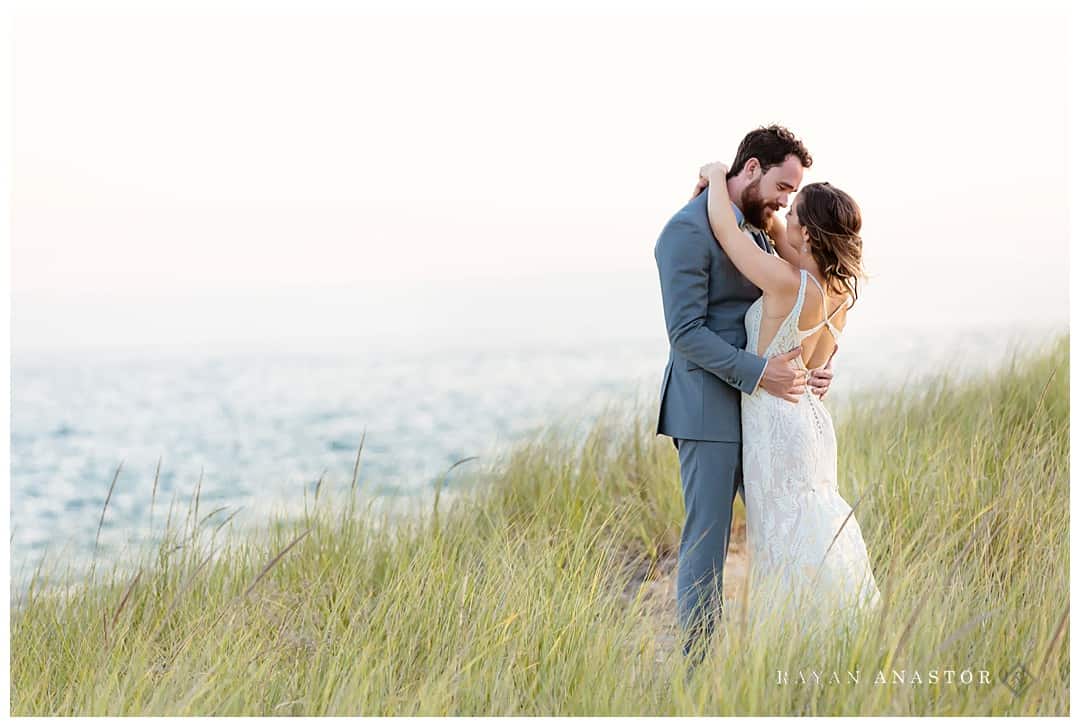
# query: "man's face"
{"type": "Point", "coordinates": [770, 191]}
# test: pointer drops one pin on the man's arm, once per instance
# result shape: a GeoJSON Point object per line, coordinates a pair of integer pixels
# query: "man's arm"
{"type": "Point", "coordinates": [758, 382]}
{"type": "Point", "coordinates": [683, 261]}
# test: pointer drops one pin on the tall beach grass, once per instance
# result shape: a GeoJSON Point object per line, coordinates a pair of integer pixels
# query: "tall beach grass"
{"type": "Point", "coordinates": [522, 595]}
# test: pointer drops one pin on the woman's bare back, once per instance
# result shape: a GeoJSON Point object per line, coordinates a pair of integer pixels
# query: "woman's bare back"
{"type": "Point", "coordinates": [818, 346]}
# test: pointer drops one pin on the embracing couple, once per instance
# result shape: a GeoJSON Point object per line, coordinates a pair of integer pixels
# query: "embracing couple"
{"type": "Point", "coordinates": [754, 303]}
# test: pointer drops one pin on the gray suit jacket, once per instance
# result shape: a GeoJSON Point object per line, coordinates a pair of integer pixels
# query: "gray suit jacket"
{"type": "Point", "coordinates": [705, 300]}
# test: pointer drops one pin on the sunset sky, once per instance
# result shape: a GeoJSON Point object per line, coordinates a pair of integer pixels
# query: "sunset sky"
{"type": "Point", "coordinates": [199, 179]}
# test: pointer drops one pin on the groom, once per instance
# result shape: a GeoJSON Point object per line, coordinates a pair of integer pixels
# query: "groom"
{"type": "Point", "coordinates": [705, 298]}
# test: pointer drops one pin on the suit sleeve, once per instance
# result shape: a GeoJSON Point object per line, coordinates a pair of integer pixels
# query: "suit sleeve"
{"type": "Point", "coordinates": [682, 259]}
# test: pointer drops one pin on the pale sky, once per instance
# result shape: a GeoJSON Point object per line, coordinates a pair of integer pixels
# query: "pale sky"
{"type": "Point", "coordinates": [200, 180]}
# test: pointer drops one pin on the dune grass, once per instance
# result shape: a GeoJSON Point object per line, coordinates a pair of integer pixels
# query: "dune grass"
{"type": "Point", "coordinates": [507, 600]}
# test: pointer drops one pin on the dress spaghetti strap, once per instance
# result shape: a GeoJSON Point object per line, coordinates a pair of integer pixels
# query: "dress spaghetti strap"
{"type": "Point", "coordinates": [828, 317]}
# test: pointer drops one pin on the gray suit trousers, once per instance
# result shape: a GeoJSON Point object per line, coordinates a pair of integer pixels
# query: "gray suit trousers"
{"type": "Point", "coordinates": [711, 475]}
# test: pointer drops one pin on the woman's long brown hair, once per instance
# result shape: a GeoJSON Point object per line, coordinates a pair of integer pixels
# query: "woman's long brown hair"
{"type": "Point", "coordinates": [832, 221]}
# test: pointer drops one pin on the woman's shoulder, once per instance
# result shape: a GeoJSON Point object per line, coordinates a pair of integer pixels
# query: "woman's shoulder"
{"type": "Point", "coordinates": [783, 296]}
{"type": "Point", "coordinates": [791, 277]}
{"type": "Point", "coordinates": [812, 293]}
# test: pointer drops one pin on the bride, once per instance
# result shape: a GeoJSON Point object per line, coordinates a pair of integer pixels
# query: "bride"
{"type": "Point", "coordinates": [808, 560]}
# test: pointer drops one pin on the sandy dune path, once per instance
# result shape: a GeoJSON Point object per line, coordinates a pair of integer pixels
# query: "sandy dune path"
{"type": "Point", "coordinates": [658, 598]}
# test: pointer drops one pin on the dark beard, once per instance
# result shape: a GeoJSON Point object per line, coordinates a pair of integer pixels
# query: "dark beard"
{"type": "Point", "coordinates": [753, 206]}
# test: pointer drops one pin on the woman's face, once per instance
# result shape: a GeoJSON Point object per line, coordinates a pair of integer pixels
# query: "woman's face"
{"type": "Point", "coordinates": [795, 232]}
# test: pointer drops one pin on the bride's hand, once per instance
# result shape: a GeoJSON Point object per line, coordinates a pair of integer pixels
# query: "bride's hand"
{"type": "Point", "coordinates": [709, 170]}
{"type": "Point", "coordinates": [704, 174]}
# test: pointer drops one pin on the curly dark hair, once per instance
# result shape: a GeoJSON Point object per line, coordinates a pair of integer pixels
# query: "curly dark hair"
{"type": "Point", "coordinates": [770, 145]}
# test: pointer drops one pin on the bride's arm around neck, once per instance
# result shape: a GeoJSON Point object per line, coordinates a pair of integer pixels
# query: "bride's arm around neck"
{"type": "Point", "coordinates": [768, 272]}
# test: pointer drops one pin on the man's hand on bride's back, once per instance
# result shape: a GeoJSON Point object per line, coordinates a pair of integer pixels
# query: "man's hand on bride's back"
{"type": "Point", "coordinates": [821, 378]}
{"type": "Point", "coordinates": [783, 380]}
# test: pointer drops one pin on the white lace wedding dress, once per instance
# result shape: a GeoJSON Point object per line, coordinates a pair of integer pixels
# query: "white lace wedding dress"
{"type": "Point", "coordinates": [793, 507]}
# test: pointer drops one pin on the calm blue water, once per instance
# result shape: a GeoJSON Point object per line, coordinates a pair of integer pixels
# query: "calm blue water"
{"type": "Point", "coordinates": [260, 429]}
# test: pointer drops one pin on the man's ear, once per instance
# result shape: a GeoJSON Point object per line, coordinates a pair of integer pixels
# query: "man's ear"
{"type": "Point", "coordinates": [752, 167]}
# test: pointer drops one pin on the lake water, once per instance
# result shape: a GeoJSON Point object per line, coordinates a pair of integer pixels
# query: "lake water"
{"type": "Point", "coordinates": [260, 428]}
